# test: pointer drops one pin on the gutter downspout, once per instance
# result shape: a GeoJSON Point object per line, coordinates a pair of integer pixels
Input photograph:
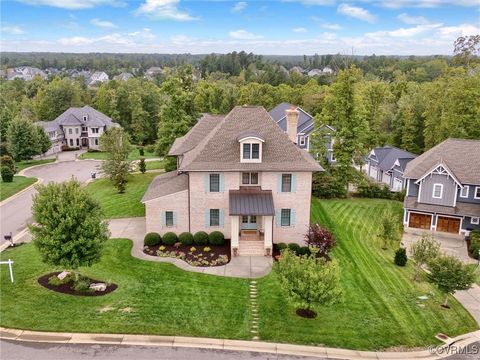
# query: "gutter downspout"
{"type": "Point", "coordinates": [189, 220]}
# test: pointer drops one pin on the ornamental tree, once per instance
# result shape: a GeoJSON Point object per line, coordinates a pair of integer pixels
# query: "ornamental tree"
{"type": "Point", "coordinates": [320, 238]}
{"type": "Point", "coordinates": [308, 281]}
{"type": "Point", "coordinates": [69, 229]}
{"type": "Point", "coordinates": [449, 274]}
{"type": "Point", "coordinates": [424, 251]}
{"type": "Point", "coordinates": [116, 144]}
{"type": "Point", "coordinates": [389, 230]}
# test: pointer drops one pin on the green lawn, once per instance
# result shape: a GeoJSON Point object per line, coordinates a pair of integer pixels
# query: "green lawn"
{"type": "Point", "coordinates": [19, 183]}
{"type": "Point", "coordinates": [380, 308]}
{"type": "Point", "coordinates": [123, 205]}
{"type": "Point", "coordinates": [155, 165]}
{"type": "Point", "coordinates": [19, 166]}
{"type": "Point", "coordinates": [134, 155]}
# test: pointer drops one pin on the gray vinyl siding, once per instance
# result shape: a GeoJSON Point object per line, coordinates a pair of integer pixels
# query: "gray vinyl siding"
{"type": "Point", "coordinates": [412, 188]}
{"type": "Point", "coordinates": [467, 225]}
{"type": "Point", "coordinates": [449, 190]}
{"type": "Point", "coordinates": [471, 195]}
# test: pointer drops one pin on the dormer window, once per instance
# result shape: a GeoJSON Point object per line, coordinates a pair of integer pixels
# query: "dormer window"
{"type": "Point", "coordinates": [250, 147]}
{"type": "Point", "coordinates": [251, 151]}
{"type": "Point", "coordinates": [85, 118]}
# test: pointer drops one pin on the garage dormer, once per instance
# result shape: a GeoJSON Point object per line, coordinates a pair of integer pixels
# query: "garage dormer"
{"type": "Point", "coordinates": [251, 144]}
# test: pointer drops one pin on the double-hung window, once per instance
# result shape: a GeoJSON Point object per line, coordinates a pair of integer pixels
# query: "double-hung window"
{"type": "Point", "coordinates": [285, 218]}
{"type": "Point", "coordinates": [214, 182]}
{"type": "Point", "coordinates": [251, 151]}
{"type": "Point", "coordinates": [477, 192]}
{"type": "Point", "coordinates": [286, 182]}
{"type": "Point", "coordinates": [437, 191]}
{"type": "Point", "coordinates": [249, 178]}
{"type": "Point", "coordinates": [464, 192]}
{"type": "Point", "coordinates": [214, 217]}
{"type": "Point", "coordinates": [169, 218]}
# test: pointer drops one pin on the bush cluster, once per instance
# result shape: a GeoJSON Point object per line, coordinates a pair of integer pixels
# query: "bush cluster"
{"type": "Point", "coordinates": [369, 189]}
{"type": "Point", "coordinates": [185, 238]}
{"type": "Point", "coordinates": [401, 257]}
{"type": "Point", "coordinates": [169, 238]}
{"type": "Point", "coordinates": [216, 238]}
{"type": "Point", "coordinates": [152, 239]}
{"type": "Point", "coordinates": [297, 249]}
{"type": "Point", "coordinates": [474, 243]}
{"type": "Point", "coordinates": [200, 238]}
{"type": "Point", "coordinates": [7, 174]}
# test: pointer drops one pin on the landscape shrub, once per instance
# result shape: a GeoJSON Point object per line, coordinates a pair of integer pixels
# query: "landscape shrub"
{"type": "Point", "coordinates": [152, 239]}
{"type": "Point", "coordinates": [141, 151]}
{"type": "Point", "coordinates": [369, 189]}
{"type": "Point", "coordinates": [7, 174]}
{"type": "Point", "coordinates": [474, 243]}
{"type": "Point", "coordinates": [200, 238]}
{"type": "Point", "coordinates": [401, 257]}
{"type": "Point", "coordinates": [320, 238]}
{"type": "Point", "coordinates": [82, 285]}
{"type": "Point", "coordinates": [150, 148]}
{"type": "Point", "coordinates": [7, 161]}
{"type": "Point", "coordinates": [169, 238]}
{"type": "Point", "coordinates": [304, 250]}
{"type": "Point", "coordinates": [216, 238]}
{"type": "Point", "coordinates": [142, 166]}
{"type": "Point", "coordinates": [326, 185]}
{"type": "Point", "coordinates": [186, 238]}
{"type": "Point", "coordinates": [294, 247]}
{"type": "Point", "coordinates": [281, 246]}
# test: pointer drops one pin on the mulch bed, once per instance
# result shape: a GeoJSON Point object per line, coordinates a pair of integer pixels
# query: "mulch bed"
{"type": "Point", "coordinates": [67, 287]}
{"type": "Point", "coordinates": [305, 313]}
{"type": "Point", "coordinates": [211, 256]}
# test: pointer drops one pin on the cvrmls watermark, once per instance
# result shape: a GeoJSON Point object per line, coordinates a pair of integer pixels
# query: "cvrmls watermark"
{"type": "Point", "coordinates": [454, 349]}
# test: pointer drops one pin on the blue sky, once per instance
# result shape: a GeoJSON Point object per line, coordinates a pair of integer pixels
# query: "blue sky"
{"type": "Point", "coordinates": [418, 27]}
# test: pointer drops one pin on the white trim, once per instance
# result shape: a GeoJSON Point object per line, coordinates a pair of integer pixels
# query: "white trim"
{"type": "Point", "coordinates": [441, 191]}
{"type": "Point", "coordinates": [250, 137]}
{"type": "Point", "coordinates": [477, 220]}
{"type": "Point", "coordinates": [452, 217]}
{"type": "Point", "coordinates": [468, 190]}
{"type": "Point", "coordinates": [475, 193]}
{"type": "Point", "coordinates": [435, 168]}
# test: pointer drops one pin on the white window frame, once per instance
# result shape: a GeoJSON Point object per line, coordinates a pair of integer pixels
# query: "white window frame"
{"type": "Point", "coordinates": [441, 191]}
{"type": "Point", "coordinates": [85, 118]}
{"type": "Point", "coordinates": [167, 224]}
{"type": "Point", "coordinates": [210, 176]}
{"type": "Point", "coordinates": [476, 192]}
{"type": "Point", "coordinates": [211, 218]}
{"type": "Point", "coordinates": [468, 190]}
{"type": "Point", "coordinates": [474, 220]}
{"type": "Point", "coordinates": [301, 140]}
{"type": "Point", "coordinates": [289, 217]}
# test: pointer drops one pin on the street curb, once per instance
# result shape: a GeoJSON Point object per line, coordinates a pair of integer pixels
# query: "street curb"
{"type": "Point", "coordinates": [14, 196]}
{"type": "Point", "coordinates": [230, 345]}
{"type": "Point", "coordinates": [6, 245]}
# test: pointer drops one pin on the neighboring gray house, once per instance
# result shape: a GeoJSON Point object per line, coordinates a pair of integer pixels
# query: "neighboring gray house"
{"type": "Point", "coordinates": [77, 128]}
{"type": "Point", "coordinates": [124, 76]}
{"type": "Point", "coordinates": [387, 165]}
{"type": "Point", "coordinates": [304, 128]}
{"type": "Point", "coordinates": [26, 73]}
{"type": "Point", "coordinates": [98, 77]}
{"type": "Point", "coordinates": [443, 188]}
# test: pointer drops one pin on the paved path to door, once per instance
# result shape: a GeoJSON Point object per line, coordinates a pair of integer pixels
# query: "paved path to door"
{"type": "Point", "coordinates": [240, 266]}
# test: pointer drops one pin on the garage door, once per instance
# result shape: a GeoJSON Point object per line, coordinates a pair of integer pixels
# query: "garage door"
{"type": "Point", "coordinates": [373, 172]}
{"type": "Point", "coordinates": [420, 221]}
{"type": "Point", "coordinates": [448, 224]}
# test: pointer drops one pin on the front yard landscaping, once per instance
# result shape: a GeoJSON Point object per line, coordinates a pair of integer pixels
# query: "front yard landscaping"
{"type": "Point", "coordinates": [380, 307]}
{"type": "Point", "coordinates": [117, 205]}
{"type": "Point", "coordinates": [19, 183]}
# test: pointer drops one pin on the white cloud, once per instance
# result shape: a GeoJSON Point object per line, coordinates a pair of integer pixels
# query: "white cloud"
{"type": "Point", "coordinates": [73, 4]}
{"type": "Point", "coordinates": [412, 20]}
{"type": "Point", "coordinates": [331, 26]}
{"type": "Point", "coordinates": [244, 35]}
{"type": "Point", "coordinates": [135, 38]}
{"type": "Point", "coordinates": [164, 9]}
{"type": "Point", "coordinates": [299, 30]}
{"type": "Point", "coordinates": [239, 6]}
{"type": "Point", "coordinates": [103, 23]}
{"type": "Point", "coordinates": [356, 12]}
{"type": "Point", "coordinates": [460, 30]}
{"type": "Point", "coordinates": [397, 4]}
{"type": "Point", "coordinates": [313, 2]}
{"type": "Point", "coordinates": [408, 32]}
{"type": "Point", "coordinates": [12, 30]}
{"type": "Point", "coordinates": [75, 40]}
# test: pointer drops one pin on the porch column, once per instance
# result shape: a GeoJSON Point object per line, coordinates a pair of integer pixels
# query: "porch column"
{"type": "Point", "coordinates": [268, 234]}
{"type": "Point", "coordinates": [235, 227]}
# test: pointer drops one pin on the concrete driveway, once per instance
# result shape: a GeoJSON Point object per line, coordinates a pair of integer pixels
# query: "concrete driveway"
{"type": "Point", "coordinates": [16, 214]}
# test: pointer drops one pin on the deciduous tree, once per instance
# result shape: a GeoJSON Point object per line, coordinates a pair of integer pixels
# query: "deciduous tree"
{"type": "Point", "coordinates": [423, 251]}
{"type": "Point", "coordinates": [116, 144]}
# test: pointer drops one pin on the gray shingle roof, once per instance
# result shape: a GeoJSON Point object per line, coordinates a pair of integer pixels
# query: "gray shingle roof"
{"type": "Point", "coordinates": [166, 184]}
{"type": "Point", "coordinates": [462, 157]}
{"type": "Point", "coordinates": [49, 125]}
{"type": "Point", "coordinates": [251, 201]}
{"type": "Point", "coordinates": [387, 155]}
{"type": "Point", "coordinates": [219, 150]}
{"type": "Point", "coordinates": [74, 116]}
{"type": "Point", "coordinates": [305, 120]}
{"type": "Point", "coordinates": [462, 208]}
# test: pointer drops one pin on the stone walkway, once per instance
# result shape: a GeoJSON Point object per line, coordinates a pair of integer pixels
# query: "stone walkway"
{"type": "Point", "coordinates": [241, 266]}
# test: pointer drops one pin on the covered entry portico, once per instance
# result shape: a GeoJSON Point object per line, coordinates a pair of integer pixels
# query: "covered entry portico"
{"type": "Point", "coordinates": [251, 214]}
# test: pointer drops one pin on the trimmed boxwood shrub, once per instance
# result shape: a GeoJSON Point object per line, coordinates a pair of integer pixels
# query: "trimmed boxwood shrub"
{"type": "Point", "coordinates": [186, 238]}
{"type": "Point", "coordinates": [200, 238]}
{"type": "Point", "coordinates": [304, 250]}
{"type": "Point", "coordinates": [281, 246]}
{"type": "Point", "coordinates": [401, 257]}
{"type": "Point", "coordinates": [169, 238]}
{"type": "Point", "coordinates": [7, 174]}
{"type": "Point", "coordinates": [216, 238]}
{"type": "Point", "coordinates": [294, 247]}
{"type": "Point", "coordinates": [152, 239]}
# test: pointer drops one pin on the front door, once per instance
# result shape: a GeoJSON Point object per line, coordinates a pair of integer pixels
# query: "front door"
{"type": "Point", "coordinates": [448, 224]}
{"type": "Point", "coordinates": [249, 222]}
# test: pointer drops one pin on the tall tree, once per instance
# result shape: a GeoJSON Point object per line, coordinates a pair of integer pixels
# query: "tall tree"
{"type": "Point", "coordinates": [116, 144]}
{"type": "Point", "coordinates": [22, 139]}
{"type": "Point", "coordinates": [389, 229]}
{"type": "Point", "coordinates": [56, 97]}
{"type": "Point", "coordinates": [423, 251]}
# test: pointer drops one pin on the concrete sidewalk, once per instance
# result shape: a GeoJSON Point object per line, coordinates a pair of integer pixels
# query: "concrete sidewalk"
{"type": "Point", "coordinates": [236, 345]}
{"type": "Point", "coordinates": [241, 266]}
{"type": "Point", "coordinates": [470, 299]}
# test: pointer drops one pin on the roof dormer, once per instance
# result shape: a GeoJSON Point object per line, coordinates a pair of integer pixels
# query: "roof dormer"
{"type": "Point", "coordinates": [85, 118]}
{"type": "Point", "coordinates": [251, 144]}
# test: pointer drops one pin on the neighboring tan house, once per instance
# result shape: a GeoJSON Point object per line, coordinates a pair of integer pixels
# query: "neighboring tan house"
{"type": "Point", "coordinates": [98, 77]}
{"type": "Point", "coordinates": [77, 128]}
{"type": "Point", "coordinates": [387, 165]}
{"type": "Point", "coordinates": [26, 73]}
{"type": "Point", "coordinates": [443, 188]}
{"type": "Point", "coordinates": [153, 71]}
{"type": "Point", "coordinates": [304, 128]}
{"type": "Point", "coordinates": [239, 174]}
{"type": "Point", "coordinates": [124, 76]}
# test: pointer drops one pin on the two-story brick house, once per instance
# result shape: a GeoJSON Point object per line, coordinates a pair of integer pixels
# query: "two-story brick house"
{"type": "Point", "coordinates": [443, 188]}
{"type": "Point", "coordinates": [239, 174]}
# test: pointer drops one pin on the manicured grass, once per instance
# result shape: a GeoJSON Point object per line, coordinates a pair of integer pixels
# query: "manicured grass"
{"type": "Point", "coordinates": [19, 183]}
{"type": "Point", "coordinates": [117, 205]}
{"type": "Point", "coordinates": [155, 298]}
{"type": "Point", "coordinates": [156, 164]}
{"type": "Point", "coordinates": [380, 306]}
{"type": "Point", "coordinates": [19, 166]}
{"type": "Point", "coordinates": [134, 155]}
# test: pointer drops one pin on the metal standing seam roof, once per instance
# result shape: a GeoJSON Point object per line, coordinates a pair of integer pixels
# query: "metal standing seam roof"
{"type": "Point", "coordinates": [251, 201]}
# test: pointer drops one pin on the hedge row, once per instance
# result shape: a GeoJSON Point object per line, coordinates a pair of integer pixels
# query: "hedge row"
{"type": "Point", "coordinates": [186, 238]}
{"type": "Point", "coordinates": [297, 249]}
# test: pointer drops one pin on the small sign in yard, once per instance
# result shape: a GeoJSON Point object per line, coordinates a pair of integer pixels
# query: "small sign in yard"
{"type": "Point", "coordinates": [9, 263]}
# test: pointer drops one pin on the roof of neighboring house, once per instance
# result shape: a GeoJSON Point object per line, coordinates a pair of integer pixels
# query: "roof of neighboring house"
{"type": "Point", "coordinates": [50, 126]}
{"type": "Point", "coordinates": [387, 155]}
{"type": "Point", "coordinates": [198, 132]}
{"type": "Point", "coordinates": [166, 184]}
{"type": "Point", "coordinates": [123, 76]}
{"type": "Point", "coordinates": [251, 201]}
{"type": "Point", "coordinates": [462, 208]}
{"type": "Point", "coordinates": [219, 150]}
{"type": "Point", "coordinates": [462, 157]}
{"type": "Point", "coordinates": [74, 116]}
{"type": "Point", "coordinates": [305, 120]}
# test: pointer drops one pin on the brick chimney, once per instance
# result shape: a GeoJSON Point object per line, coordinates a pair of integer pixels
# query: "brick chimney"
{"type": "Point", "coordinates": [292, 123]}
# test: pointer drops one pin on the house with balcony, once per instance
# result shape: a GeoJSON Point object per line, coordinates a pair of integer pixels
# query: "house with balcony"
{"type": "Point", "coordinates": [239, 174]}
{"type": "Point", "coordinates": [387, 165]}
{"type": "Point", "coordinates": [77, 127]}
{"type": "Point", "coordinates": [443, 188]}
